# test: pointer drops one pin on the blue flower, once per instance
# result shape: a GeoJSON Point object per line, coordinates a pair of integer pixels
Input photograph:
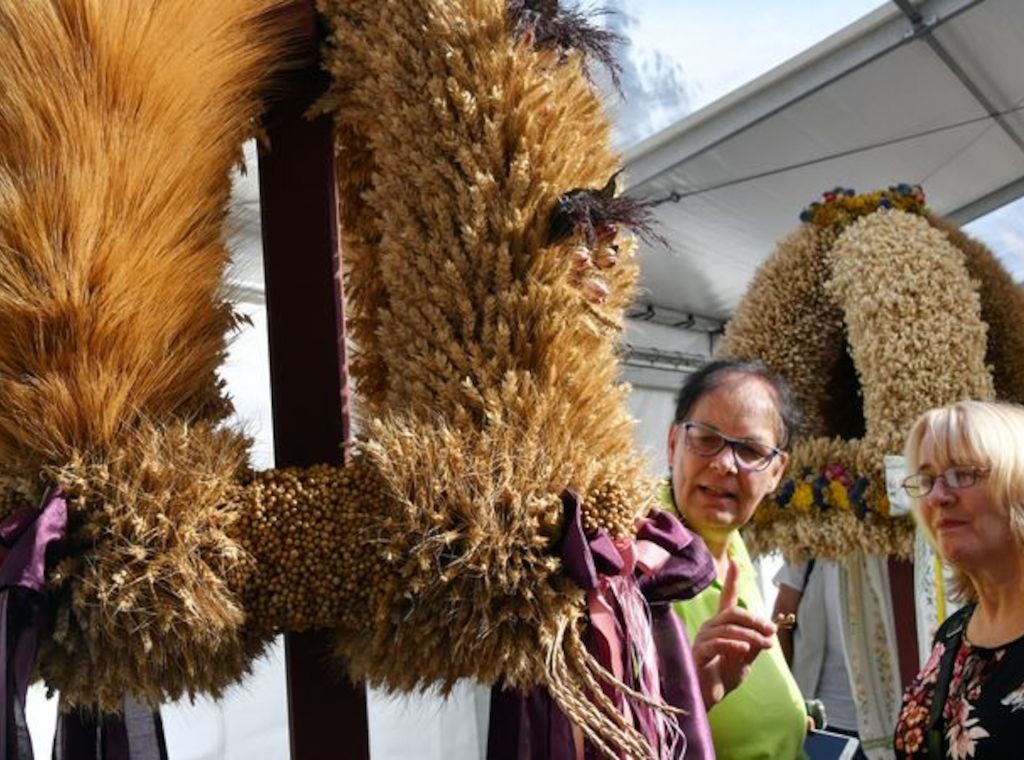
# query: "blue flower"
{"type": "Point", "coordinates": [785, 494]}
{"type": "Point", "coordinates": [819, 485]}
{"type": "Point", "coordinates": [860, 508]}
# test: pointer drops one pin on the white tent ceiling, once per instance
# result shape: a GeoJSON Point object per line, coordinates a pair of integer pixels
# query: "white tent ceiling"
{"type": "Point", "coordinates": [923, 93]}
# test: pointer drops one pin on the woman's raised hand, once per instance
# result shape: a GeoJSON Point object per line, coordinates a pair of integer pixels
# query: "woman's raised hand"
{"type": "Point", "coordinates": [726, 645]}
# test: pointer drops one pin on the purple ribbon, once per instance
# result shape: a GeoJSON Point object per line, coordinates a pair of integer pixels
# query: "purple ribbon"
{"type": "Point", "coordinates": [29, 538]}
{"type": "Point", "coordinates": [531, 727]}
{"type": "Point", "coordinates": [136, 734]}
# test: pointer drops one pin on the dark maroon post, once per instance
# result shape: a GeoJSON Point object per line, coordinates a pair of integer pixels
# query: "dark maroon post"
{"type": "Point", "coordinates": [305, 313]}
{"type": "Point", "coordinates": [901, 587]}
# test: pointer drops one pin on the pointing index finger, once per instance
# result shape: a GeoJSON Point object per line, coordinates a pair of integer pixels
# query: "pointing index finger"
{"type": "Point", "coordinates": [730, 589]}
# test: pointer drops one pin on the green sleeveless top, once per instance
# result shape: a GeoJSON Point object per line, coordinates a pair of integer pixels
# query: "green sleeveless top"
{"type": "Point", "coordinates": [764, 717]}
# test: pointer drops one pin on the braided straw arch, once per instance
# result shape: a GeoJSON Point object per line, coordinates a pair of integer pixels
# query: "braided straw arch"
{"type": "Point", "coordinates": [486, 374]}
{"type": "Point", "coordinates": [874, 311]}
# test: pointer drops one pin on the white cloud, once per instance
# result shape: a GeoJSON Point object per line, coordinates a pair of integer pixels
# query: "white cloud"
{"type": "Point", "coordinates": [710, 47]}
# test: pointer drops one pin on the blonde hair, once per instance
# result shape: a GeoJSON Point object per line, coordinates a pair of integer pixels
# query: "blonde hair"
{"type": "Point", "coordinates": [981, 433]}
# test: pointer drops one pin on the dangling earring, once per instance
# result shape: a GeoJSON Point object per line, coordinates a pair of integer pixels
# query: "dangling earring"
{"type": "Point", "coordinates": [670, 495]}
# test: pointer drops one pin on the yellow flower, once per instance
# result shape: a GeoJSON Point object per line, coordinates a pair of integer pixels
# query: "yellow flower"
{"type": "Point", "coordinates": [804, 497]}
{"type": "Point", "coordinates": [838, 496]}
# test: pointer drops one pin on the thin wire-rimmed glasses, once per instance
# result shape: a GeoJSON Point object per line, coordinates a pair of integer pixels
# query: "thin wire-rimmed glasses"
{"type": "Point", "coordinates": [920, 484]}
{"type": "Point", "coordinates": [705, 441]}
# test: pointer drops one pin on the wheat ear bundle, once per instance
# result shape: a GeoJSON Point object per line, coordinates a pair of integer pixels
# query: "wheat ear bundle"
{"type": "Point", "coordinates": [485, 329]}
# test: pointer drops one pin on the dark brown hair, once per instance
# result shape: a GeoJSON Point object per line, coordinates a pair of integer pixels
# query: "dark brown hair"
{"type": "Point", "coordinates": [714, 373]}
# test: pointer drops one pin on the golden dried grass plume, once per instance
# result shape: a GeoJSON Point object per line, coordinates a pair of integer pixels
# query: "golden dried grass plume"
{"type": "Point", "coordinates": [119, 123]}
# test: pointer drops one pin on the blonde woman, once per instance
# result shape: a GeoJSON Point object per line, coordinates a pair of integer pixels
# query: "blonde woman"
{"type": "Point", "coordinates": [967, 483]}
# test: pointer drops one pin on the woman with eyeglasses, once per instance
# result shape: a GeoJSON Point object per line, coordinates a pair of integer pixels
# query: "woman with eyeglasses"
{"type": "Point", "coordinates": [967, 484]}
{"type": "Point", "coordinates": [726, 453]}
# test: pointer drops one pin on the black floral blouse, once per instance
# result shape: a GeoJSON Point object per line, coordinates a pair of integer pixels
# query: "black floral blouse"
{"type": "Point", "coordinates": [983, 718]}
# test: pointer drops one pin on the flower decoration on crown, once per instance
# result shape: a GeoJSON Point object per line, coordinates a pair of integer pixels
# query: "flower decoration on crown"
{"type": "Point", "coordinates": [841, 206]}
{"type": "Point", "coordinates": [831, 487]}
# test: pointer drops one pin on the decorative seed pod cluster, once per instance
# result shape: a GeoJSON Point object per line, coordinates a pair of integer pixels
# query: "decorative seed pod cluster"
{"type": "Point", "coordinates": [587, 266]}
{"type": "Point", "coordinates": [874, 314]}
{"type": "Point", "coordinates": [592, 218]}
{"type": "Point", "coordinates": [317, 539]}
{"type": "Point", "coordinates": [612, 508]}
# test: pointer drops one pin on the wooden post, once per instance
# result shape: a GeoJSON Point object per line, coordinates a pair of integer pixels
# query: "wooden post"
{"type": "Point", "coordinates": [901, 588]}
{"type": "Point", "coordinates": [305, 318]}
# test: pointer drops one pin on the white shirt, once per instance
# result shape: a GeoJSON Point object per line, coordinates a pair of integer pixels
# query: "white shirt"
{"type": "Point", "coordinates": [819, 654]}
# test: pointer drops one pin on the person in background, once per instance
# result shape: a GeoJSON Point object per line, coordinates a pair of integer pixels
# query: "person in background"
{"type": "Point", "coordinates": [726, 451]}
{"type": "Point", "coordinates": [967, 485]}
{"type": "Point", "coordinates": [814, 647]}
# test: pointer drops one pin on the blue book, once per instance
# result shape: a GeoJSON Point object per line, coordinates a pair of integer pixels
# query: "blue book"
{"type": "Point", "coordinates": [826, 745]}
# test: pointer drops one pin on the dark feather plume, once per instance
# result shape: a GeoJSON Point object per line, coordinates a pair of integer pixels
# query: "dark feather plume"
{"type": "Point", "coordinates": [588, 211]}
{"type": "Point", "coordinates": [546, 22]}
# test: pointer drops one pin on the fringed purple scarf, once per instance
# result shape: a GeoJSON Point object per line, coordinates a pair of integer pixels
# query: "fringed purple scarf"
{"type": "Point", "coordinates": [634, 633]}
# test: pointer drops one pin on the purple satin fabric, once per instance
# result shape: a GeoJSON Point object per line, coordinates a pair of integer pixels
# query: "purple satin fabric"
{"type": "Point", "coordinates": [30, 538]}
{"type": "Point", "coordinates": [136, 734]}
{"type": "Point", "coordinates": [31, 541]}
{"type": "Point", "coordinates": [688, 571]}
{"type": "Point", "coordinates": [527, 727]}
{"type": "Point", "coordinates": [531, 727]}
{"type": "Point", "coordinates": [584, 558]}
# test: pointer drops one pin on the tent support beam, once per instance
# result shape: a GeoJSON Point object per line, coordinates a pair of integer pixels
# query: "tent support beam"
{"type": "Point", "coordinates": [923, 30]}
{"type": "Point", "coordinates": [988, 202]}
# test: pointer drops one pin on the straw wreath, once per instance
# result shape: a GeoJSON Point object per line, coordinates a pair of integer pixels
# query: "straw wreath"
{"type": "Point", "coordinates": [488, 269]}
{"type": "Point", "coordinates": [875, 312]}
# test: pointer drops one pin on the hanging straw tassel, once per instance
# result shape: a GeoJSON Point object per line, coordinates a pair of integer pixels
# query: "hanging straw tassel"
{"type": "Point", "coordinates": [570, 665]}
